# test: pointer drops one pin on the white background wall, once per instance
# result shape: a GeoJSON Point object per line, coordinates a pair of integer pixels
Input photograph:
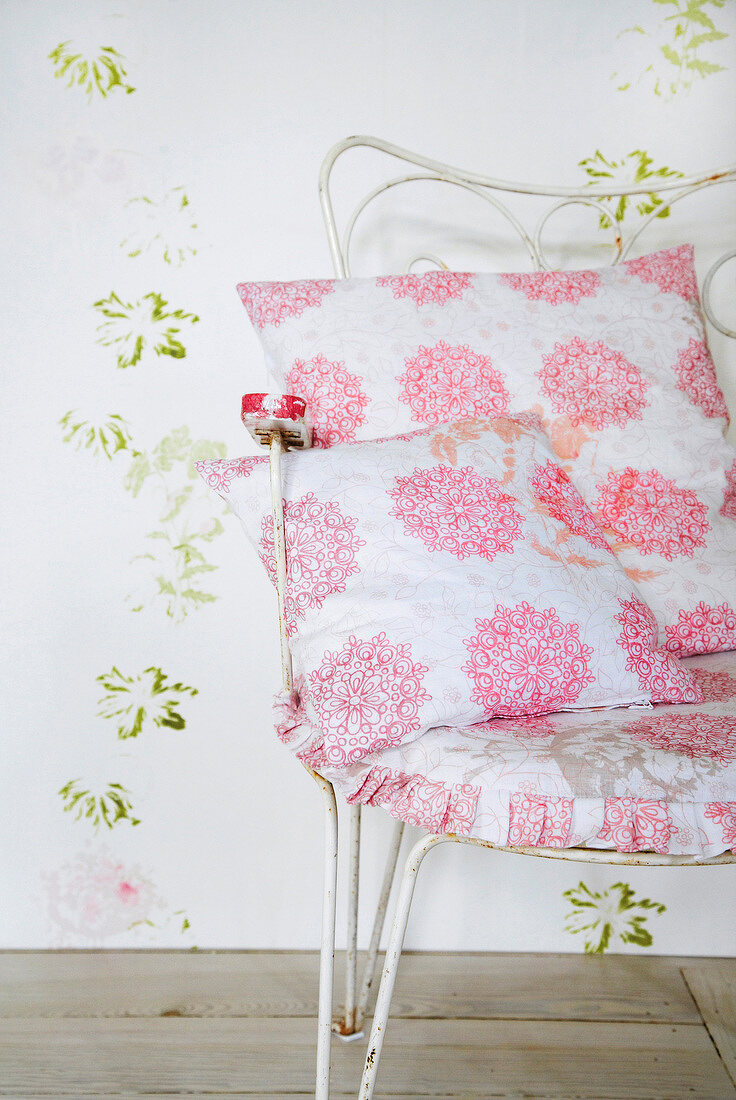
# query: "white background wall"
{"type": "Point", "coordinates": [237, 102]}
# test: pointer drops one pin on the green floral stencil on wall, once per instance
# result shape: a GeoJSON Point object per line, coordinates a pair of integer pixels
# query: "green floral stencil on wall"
{"type": "Point", "coordinates": [142, 702]}
{"type": "Point", "coordinates": [105, 436]}
{"type": "Point", "coordinates": [635, 167]}
{"type": "Point", "coordinates": [108, 808]}
{"type": "Point", "coordinates": [610, 916]}
{"type": "Point", "coordinates": [99, 72]}
{"type": "Point", "coordinates": [682, 34]}
{"type": "Point", "coordinates": [132, 327]}
{"type": "Point", "coordinates": [166, 227]}
{"type": "Point", "coordinates": [187, 525]}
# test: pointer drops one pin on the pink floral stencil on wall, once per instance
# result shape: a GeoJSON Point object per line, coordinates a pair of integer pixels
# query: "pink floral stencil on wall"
{"type": "Point", "coordinates": [526, 661]}
{"type": "Point", "coordinates": [704, 630]}
{"type": "Point", "coordinates": [652, 513]}
{"type": "Point", "coordinates": [671, 270]}
{"type": "Point", "coordinates": [437, 287]}
{"type": "Point", "coordinates": [593, 384]}
{"type": "Point", "coordinates": [457, 511]}
{"type": "Point", "coordinates": [321, 548]}
{"type": "Point", "coordinates": [555, 286]}
{"type": "Point", "coordinates": [660, 676]}
{"type": "Point", "coordinates": [446, 383]}
{"type": "Point", "coordinates": [272, 303]}
{"type": "Point", "coordinates": [367, 696]}
{"type": "Point", "coordinates": [699, 736]}
{"type": "Point", "coordinates": [335, 400]}
{"type": "Point", "coordinates": [563, 502]}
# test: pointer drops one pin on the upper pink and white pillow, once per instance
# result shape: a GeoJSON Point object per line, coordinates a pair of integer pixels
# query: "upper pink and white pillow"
{"type": "Point", "coordinates": [613, 363]}
{"type": "Point", "coordinates": [441, 579]}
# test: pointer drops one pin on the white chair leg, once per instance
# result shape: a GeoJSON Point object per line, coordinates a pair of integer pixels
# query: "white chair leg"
{"type": "Point", "coordinates": [347, 1027]}
{"type": "Point", "coordinates": [327, 952]}
{"type": "Point", "coordinates": [370, 962]}
{"type": "Point", "coordinates": [393, 954]}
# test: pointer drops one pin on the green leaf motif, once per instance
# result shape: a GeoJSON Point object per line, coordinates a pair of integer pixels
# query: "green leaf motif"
{"type": "Point", "coordinates": [176, 562]}
{"type": "Point", "coordinates": [165, 228]}
{"type": "Point", "coordinates": [142, 702]}
{"type": "Point", "coordinates": [635, 167]}
{"type": "Point", "coordinates": [132, 327]}
{"type": "Point", "coordinates": [98, 73]}
{"type": "Point", "coordinates": [678, 39]}
{"type": "Point", "coordinates": [609, 916]}
{"type": "Point", "coordinates": [104, 437]}
{"type": "Point", "coordinates": [107, 809]}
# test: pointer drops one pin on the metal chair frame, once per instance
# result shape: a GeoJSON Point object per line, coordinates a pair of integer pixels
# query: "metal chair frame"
{"type": "Point", "coordinates": [350, 1023]}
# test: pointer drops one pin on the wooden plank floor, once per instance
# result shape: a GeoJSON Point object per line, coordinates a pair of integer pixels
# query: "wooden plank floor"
{"type": "Point", "coordinates": [224, 1024]}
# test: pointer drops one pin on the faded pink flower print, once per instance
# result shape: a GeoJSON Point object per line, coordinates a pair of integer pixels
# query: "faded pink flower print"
{"type": "Point", "coordinates": [526, 661]}
{"type": "Point", "coordinates": [593, 384]}
{"type": "Point", "coordinates": [664, 678]}
{"type": "Point", "coordinates": [321, 548]}
{"type": "Point", "coordinates": [437, 287]}
{"type": "Point", "coordinates": [335, 400]}
{"type": "Point", "coordinates": [724, 814]}
{"type": "Point", "coordinates": [444, 383]}
{"type": "Point", "coordinates": [696, 376]}
{"type": "Point", "coordinates": [705, 630]}
{"type": "Point", "coordinates": [367, 696]}
{"type": "Point", "coordinates": [272, 303]}
{"type": "Point", "coordinates": [652, 513]}
{"type": "Point", "coordinates": [699, 736]}
{"type": "Point", "coordinates": [458, 511]}
{"type": "Point", "coordinates": [728, 508]}
{"type": "Point", "coordinates": [671, 269]}
{"type": "Point", "coordinates": [219, 472]}
{"type": "Point", "coordinates": [539, 822]}
{"type": "Point", "coordinates": [636, 825]}
{"type": "Point", "coordinates": [95, 897]}
{"type": "Point", "coordinates": [555, 286]}
{"type": "Point", "coordinates": [429, 804]}
{"type": "Point", "coordinates": [564, 503]}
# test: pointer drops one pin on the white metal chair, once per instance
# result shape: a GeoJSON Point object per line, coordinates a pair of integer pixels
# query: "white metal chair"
{"type": "Point", "coordinates": [277, 433]}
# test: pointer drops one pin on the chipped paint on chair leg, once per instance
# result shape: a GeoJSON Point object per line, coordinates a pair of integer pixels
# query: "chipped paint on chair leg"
{"type": "Point", "coordinates": [327, 952]}
{"type": "Point", "coordinates": [378, 923]}
{"type": "Point", "coordinates": [345, 1025]}
{"type": "Point", "coordinates": [391, 962]}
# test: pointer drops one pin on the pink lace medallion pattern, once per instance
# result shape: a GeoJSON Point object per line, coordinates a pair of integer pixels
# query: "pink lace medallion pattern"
{"type": "Point", "coordinates": [429, 804]}
{"type": "Point", "coordinates": [538, 822]}
{"type": "Point", "coordinates": [671, 269]}
{"type": "Point", "coordinates": [436, 287]}
{"type": "Point", "coordinates": [458, 511]}
{"type": "Point", "coordinates": [367, 696]}
{"type": "Point", "coordinates": [696, 376]}
{"type": "Point", "coordinates": [724, 814]}
{"type": "Point", "coordinates": [636, 825]}
{"type": "Point", "coordinates": [526, 661]}
{"type": "Point", "coordinates": [661, 676]}
{"type": "Point", "coordinates": [652, 513]}
{"type": "Point", "coordinates": [716, 687]}
{"type": "Point", "coordinates": [335, 400]}
{"type": "Point", "coordinates": [728, 508]}
{"type": "Point", "coordinates": [555, 286]}
{"type": "Point", "coordinates": [321, 548]}
{"type": "Point", "coordinates": [705, 630]}
{"type": "Point", "coordinates": [593, 384]}
{"type": "Point", "coordinates": [272, 303]}
{"type": "Point", "coordinates": [564, 503]}
{"type": "Point", "coordinates": [697, 736]}
{"type": "Point", "coordinates": [446, 383]}
{"type": "Point", "coordinates": [219, 472]}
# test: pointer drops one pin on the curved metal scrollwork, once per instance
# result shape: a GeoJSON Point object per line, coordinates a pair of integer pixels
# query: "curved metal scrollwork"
{"type": "Point", "coordinates": [484, 187]}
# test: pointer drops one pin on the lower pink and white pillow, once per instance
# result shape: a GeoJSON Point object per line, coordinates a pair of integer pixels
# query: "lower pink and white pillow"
{"type": "Point", "coordinates": [659, 779]}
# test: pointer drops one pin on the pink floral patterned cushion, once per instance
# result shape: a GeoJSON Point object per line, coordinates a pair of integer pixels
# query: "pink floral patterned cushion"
{"type": "Point", "coordinates": [612, 363]}
{"type": "Point", "coordinates": [445, 577]}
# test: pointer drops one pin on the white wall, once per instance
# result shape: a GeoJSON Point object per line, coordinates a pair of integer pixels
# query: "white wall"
{"type": "Point", "coordinates": [237, 102]}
